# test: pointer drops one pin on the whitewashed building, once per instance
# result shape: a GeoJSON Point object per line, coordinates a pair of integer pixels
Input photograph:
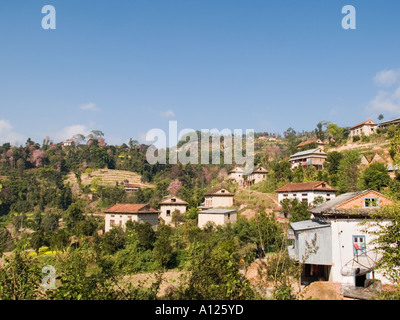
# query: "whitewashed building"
{"type": "Point", "coordinates": [218, 198]}
{"type": "Point", "coordinates": [216, 216]}
{"type": "Point", "coordinates": [306, 191]}
{"type": "Point", "coordinates": [120, 214]}
{"type": "Point", "coordinates": [169, 205]}
{"type": "Point", "coordinates": [334, 246]}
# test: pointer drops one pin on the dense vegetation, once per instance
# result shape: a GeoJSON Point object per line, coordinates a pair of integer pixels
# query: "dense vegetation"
{"type": "Point", "coordinates": [46, 221]}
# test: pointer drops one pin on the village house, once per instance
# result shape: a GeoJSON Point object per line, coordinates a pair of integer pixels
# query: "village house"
{"type": "Point", "coordinates": [318, 142]}
{"type": "Point", "coordinates": [216, 216]}
{"type": "Point", "coordinates": [312, 157]}
{"type": "Point", "coordinates": [120, 214]}
{"type": "Point", "coordinates": [131, 187]}
{"type": "Point", "coordinates": [236, 175]}
{"type": "Point", "coordinates": [365, 128]}
{"type": "Point", "coordinates": [169, 205]}
{"type": "Point", "coordinates": [218, 198]}
{"type": "Point", "coordinates": [333, 246]}
{"type": "Point", "coordinates": [306, 191]}
{"type": "Point", "coordinates": [259, 174]}
{"type": "Point", "coordinates": [386, 124]}
{"type": "Point", "coordinates": [392, 170]}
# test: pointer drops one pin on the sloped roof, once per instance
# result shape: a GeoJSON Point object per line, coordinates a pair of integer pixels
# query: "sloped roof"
{"type": "Point", "coordinates": [332, 206]}
{"type": "Point", "coordinates": [129, 208]}
{"type": "Point", "coordinates": [308, 152]}
{"type": "Point", "coordinates": [306, 186]}
{"type": "Point", "coordinates": [309, 224]}
{"type": "Point", "coordinates": [368, 122]}
{"type": "Point", "coordinates": [214, 192]}
{"type": "Point", "coordinates": [304, 143]}
{"type": "Point", "coordinates": [260, 169]}
{"type": "Point", "coordinates": [168, 200]}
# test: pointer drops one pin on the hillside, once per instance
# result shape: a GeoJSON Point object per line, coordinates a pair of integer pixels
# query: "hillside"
{"type": "Point", "coordinates": [108, 177]}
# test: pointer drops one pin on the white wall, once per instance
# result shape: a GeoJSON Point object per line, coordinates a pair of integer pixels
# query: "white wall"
{"type": "Point", "coordinates": [343, 231]}
{"type": "Point", "coordinates": [310, 195]}
{"type": "Point", "coordinates": [122, 219]}
{"type": "Point", "coordinates": [217, 218]}
{"type": "Point", "coordinates": [171, 207]}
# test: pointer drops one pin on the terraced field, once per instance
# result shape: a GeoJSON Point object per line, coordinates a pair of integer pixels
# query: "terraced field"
{"type": "Point", "coordinates": [108, 177]}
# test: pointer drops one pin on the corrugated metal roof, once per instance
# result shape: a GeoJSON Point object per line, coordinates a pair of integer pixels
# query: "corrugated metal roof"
{"type": "Point", "coordinates": [306, 152]}
{"type": "Point", "coordinates": [309, 224]}
{"type": "Point", "coordinates": [332, 204]}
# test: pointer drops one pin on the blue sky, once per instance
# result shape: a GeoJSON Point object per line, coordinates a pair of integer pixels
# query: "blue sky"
{"type": "Point", "coordinates": [125, 67]}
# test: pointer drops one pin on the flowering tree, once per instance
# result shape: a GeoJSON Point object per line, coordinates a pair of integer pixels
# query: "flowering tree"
{"type": "Point", "coordinates": [174, 187]}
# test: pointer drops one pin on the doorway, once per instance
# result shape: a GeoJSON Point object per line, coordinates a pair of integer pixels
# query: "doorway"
{"type": "Point", "coordinates": [360, 280]}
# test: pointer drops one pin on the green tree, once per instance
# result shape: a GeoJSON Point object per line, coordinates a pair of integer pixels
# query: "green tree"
{"type": "Point", "coordinates": [113, 240]}
{"type": "Point", "coordinates": [74, 214]}
{"type": "Point", "coordinates": [162, 247]}
{"type": "Point", "coordinates": [20, 277]}
{"type": "Point", "coordinates": [375, 176]}
{"type": "Point", "coordinates": [348, 171]}
{"type": "Point", "coordinates": [297, 210]}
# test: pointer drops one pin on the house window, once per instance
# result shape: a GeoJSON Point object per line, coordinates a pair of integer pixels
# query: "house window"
{"type": "Point", "coordinates": [168, 213]}
{"type": "Point", "coordinates": [285, 194]}
{"type": "Point", "coordinates": [304, 195]}
{"type": "Point", "coordinates": [359, 245]}
{"type": "Point", "coordinates": [294, 194]}
{"type": "Point", "coordinates": [173, 200]}
{"type": "Point", "coordinates": [304, 200]}
{"type": "Point", "coordinates": [229, 216]}
{"type": "Point", "coordinates": [112, 223]}
{"type": "Point", "coordinates": [371, 202]}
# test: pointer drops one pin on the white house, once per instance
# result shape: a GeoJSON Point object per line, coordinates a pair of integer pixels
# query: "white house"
{"type": "Point", "coordinates": [334, 246]}
{"type": "Point", "coordinates": [120, 214]}
{"type": "Point", "coordinates": [306, 191]}
{"type": "Point", "coordinates": [259, 174]}
{"type": "Point", "coordinates": [218, 198]}
{"type": "Point", "coordinates": [236, 175]}
{"type": "Point", "coordinates": [217, 216]}
{"type": "Point", "coordinates": [169, 205]}
{"type": "Point", "coordinates": [365, 128]}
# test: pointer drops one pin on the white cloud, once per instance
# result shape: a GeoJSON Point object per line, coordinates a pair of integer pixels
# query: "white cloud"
{"type": "Point", "coordinates": [386, 77]}
{"type": "Point", "coordinates": [7, 134]}
{"type": "Point", "coordinates": [386, 101]}
{"type": "Point", "coordinates": [89, 106]}
{"type": "Point", "coordinates": [167, 114]}
{"type": "Point", "coordinates": [68, 132]}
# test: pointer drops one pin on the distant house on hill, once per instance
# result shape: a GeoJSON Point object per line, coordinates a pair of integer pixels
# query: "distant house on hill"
{"type": "Point", "coordinates": [236, 175]}
{"type": "Point", "coordinates": [218, 198]}
{"type": "Point", "coordinates": [393, 122]}
{"type": "Point", "coordinates": [217, 216]}
{"type": "Point", "coordinates": [312, 157]}
{"type": "Point", "coordinates": [317, 142]}
{"type": "Point", "coordinates": [259, 174]}
{"type": "Point", "coordinates": [120, 214]}
{"type": "Point", "coordinates": [130, 187]}
{"type": "Point", "coordinates": [343, 251]}
{"type": "Point", "coordinates": [392, 169]}
{"type": "Point", "coordinates": [169, 205]}
{"type": "Point", "coordinates": [365, 128]}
